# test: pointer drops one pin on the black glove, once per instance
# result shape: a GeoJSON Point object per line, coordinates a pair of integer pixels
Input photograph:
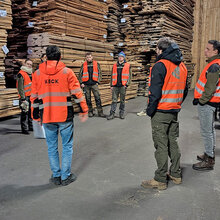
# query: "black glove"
{"type": "Point", "coordinates": [195, 101]}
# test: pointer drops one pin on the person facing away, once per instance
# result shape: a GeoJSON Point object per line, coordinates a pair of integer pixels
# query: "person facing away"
{"type": "Point", "coordinates": [207, 97]}
{"type": "Point", "coordinates": [167, 91]}
{"type": "Point", "coordinates": [89, 77]}
{"type": "Point", "coordinates": [53, 85]}
{"type": "Point", "coordinates": [23, 85]}
{"type": "Point", "coordinates": [120, 80]}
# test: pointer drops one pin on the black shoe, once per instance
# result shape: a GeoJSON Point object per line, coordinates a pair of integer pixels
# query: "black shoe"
{"type": "Point", "coordinates": [122, 116]}
{"type": "Point", "coordinates": [25, 132]}
{"type": "Point", "coordinates": [71, 178]}
{"type": "Point", "coordinates": [56, 180]}
{"type": "Point", "coordinates": [90, 114]}
{"type": "Point", "coordinates": [30, 129]}
{"type": "Point", "coordinates": [110, 117]}
{"type": "Point", "coordinates": [101, 114]}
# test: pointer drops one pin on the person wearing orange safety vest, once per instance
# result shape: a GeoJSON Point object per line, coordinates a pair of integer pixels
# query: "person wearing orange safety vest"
{"type": "Point", "coordinates": [120, 80]}
{"type": "Point", "coordinates": [89, 77]}
{"type": "Point", "coordinates": [167, 91]}
{"type": "Point", "coordinates": [53, 87]}
{"type": "Point", "coordinates": [207, 97]}
{"type": "Point", "coordinates": [23, 85]}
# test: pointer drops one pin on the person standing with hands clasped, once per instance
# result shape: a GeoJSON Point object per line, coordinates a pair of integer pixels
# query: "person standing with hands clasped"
{"type": "Point", "coordinates": [167, 91]}
{"type": "Point", "coordinates": [53, 85]}
{"type": "Point", "coordinates": [120, 80]}
{"type": "Point", "coordinates": [207, 97]}
{"type": "Point", "coordinates": [89, 77]}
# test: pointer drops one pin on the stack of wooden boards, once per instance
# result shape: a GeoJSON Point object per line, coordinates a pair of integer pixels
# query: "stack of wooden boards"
{"type": "Point", "coordinates": [8, 102]}
{"type": "Point", "coordinates": [7, 96]}
{"type": "Point", "coordinates": [76, 27]}
{"type": "Point", "coordinates": [145, 21]}
{"type": "Point", "coordinates": [113, 18]}
{"type": "Point", "coordinates": [17, 38]}
{"type": "Point", "coordinates": [5, 24]}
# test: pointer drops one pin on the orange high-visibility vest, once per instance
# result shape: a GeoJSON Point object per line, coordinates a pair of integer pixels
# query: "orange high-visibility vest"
{"type": "Point", "coordinates": [173, 87]}
{"type": "Point", "coordinates": [54, 92]}
{"type": "Point", "coordinates": [124, 74]}
{"type": "Point", "coordinates": [200, 85]}
{"type": "Point", "coordinates": [95, 75]}
{"type": "Point", "coordinates": [27, 83]}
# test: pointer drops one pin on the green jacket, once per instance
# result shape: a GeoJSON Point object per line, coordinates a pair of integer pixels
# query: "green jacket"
{"type": "Point", "coordinates": [213, 74]}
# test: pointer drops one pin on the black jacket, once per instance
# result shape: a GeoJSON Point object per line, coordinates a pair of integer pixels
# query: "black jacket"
{"type": "Point", "coordinates": [158, 75]}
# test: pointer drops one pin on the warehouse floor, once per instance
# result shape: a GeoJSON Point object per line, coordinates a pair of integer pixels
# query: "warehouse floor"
{"type": "Point", "coordinates": [111, 159]}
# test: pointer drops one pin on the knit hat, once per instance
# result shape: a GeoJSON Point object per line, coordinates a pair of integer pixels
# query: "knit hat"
{"type": "Point", "coordinates": [121, 54]}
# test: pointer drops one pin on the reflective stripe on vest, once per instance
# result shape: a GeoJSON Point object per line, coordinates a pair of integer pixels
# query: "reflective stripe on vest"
{"type": "Point", "coordinates": [60, 94]}
{"type": "Point", "coordinates": [35, 105]}
{"type": "Point", "coordinates": [95, 75]}
{"type": "Point", "coordinates": [171, 100]}
{"type": "Point", "coordinates": [200, 85]}
{"type": "Point", "coordinates": [34, 95]}
{"type": "Point", "coordinates": [166, 92]}
{"type": "Point", "coordinates": [73, 91]}
{"type": "Point", "coordinates": [48, 104]}
{"type": "Point", "coordinates": [124, 75]}
{"type": "Point", "coordinates": [79, 100]}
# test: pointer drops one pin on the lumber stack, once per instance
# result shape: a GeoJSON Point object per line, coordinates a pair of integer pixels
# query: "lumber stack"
{"type": "Point", "coordinates": [114, 16]}
{"type": "Point", "coordinates": [76, 27]}
{"type": "Point", "coordinates": [9, 102]}
{"type": "Point", "coordinates": [5, 24]}
{"type": "Point", "coordinates": [17, 38]}
{"type": "Point", "coordinates": [145, 21]}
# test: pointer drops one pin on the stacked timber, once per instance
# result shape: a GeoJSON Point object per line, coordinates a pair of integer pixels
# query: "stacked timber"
{"type": "Point", "coordinates": [77, 27]}
{"type": "Point", "coordinates": [5, 24]}
{"type": "Point", "coordinates": [113, 18]}
{"type": "Point", "coordinates": [145, 21]}
{"type": "Point", "coordinates": [17, 38]}
{"type": "Point", "coordinates": [8, 102]}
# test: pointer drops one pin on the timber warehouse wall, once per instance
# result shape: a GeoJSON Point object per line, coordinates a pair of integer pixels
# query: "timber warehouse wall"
{"type": "Point", "coordinates": [104, 27]}
{"type": "Point", "coordinates": [207, 27]}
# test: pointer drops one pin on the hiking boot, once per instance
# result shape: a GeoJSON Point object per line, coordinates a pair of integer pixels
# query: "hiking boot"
{"type": "Point", "coordinates": [176, 180]}
{"type": "Point", "coordinates": [207, 164]}
{"type": "Point", "coordinates": [153, 184]}
{"type": "Point", "coordinates": [101, 114]}
{"type": "Point", "coordinates": [142, 113]}
{"type": "Point", "coordinates": [90, 114]}
{"type": "Point", "coordinates": [55, 180]}
{"type": "Point", "coordinates": [121, 116]}
{"type": "Point", "coordinates": [111, 116]}
{"type": "Point", "coordinates": [71, 178]}
{"type": "Point", "coordinates": [202, 157]}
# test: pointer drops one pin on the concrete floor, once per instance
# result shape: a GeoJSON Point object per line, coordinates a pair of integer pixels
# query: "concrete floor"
{"type": "Point", "coordinates": [111, 159]}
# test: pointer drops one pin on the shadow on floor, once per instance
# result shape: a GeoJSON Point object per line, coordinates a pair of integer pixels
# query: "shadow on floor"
{"type": "Point", "coordinates": [10, 193]}
{"type": "Point", "coordinates": [5, 131]}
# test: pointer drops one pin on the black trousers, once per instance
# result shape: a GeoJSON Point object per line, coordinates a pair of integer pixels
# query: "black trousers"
{"type": "Point", "coordinates": [25, 119]}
